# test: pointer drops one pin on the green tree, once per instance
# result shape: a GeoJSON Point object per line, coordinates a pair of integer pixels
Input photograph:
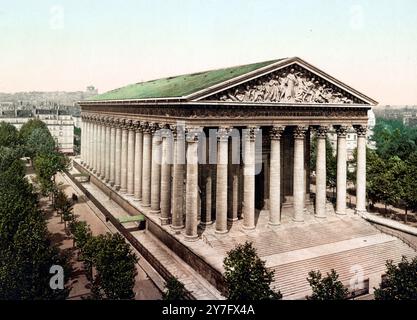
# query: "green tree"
{"type": "Point", "coordinates": [27, 128]}
{"type": "Point", "coordinates": [400, 282]}
{"type": "Point", "coordinates": [175, 290]}
{"type": "Point", "coordinates": [46, 166]}
{"type": "Point", "coordinates": [81, 233]}
{"type": "Point", "coordinates": [115, 266]}
{"type": "Point", "coordinates": [408, 181]}
{"type": "Point", "coordinates": [40, 142]}
{"type": "Point", "coordinates": [327, 288]}
{"type": "Point", "coordinates": [9, 136]}
{"type": "Point", "coordinates": [246, 276]}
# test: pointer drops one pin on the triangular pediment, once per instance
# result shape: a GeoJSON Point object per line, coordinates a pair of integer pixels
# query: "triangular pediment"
{"type": "Point", "coordinates": [292, 81]}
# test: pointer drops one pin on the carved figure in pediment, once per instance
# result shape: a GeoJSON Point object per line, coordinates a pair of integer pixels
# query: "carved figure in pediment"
{"type": "Point", "coordinates": [291, 83]}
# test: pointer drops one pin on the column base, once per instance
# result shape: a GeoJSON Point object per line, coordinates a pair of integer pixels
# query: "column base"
{"type": "Point", "coordinates": [320, 216]}
{"type": "Point", "coordinates": [129, 194]}
{"type": "Point", "coordinates": [165, 221]}
{"type": "Point", "coordinates": [274, 224]}
{"type": "Point", "coordinates": [342, 213]}
{"type": "Point", "coordinates": [221, 231]}
{"type": "Point", "coordinates": [298, 219]}
{"type": "Point", "coordinates": [248, 228]}
{"type": "Point", "coordinates": [360, 211]}
{"type": "Point", "coordinates": [155, 211]}
{"type": "Point", "coordinates": [191, 238]}
{"type": "Point", "coordinates": [232, 219]}
{"type": "Point", "coordinates": [123, 191]}
{"type": "Point", "coordinates": [146, 205]}
{"type": "Point", "coordinates": [206, 223]}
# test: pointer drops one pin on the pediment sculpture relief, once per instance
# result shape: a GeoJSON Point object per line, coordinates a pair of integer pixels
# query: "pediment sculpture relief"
{"type": "Point", "coordinates": [287, 85]}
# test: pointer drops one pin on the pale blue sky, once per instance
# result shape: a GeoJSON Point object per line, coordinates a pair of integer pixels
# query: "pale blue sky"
{"type": "Point", "coordinates": [67, 45]}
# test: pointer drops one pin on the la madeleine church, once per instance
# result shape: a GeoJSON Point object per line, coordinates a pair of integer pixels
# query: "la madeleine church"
{"type": "Point", "coordinates": [213, 154]}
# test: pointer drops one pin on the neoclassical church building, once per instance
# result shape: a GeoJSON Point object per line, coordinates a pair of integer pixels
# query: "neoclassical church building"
{"type": "Point", "coordinates": [211, 153]}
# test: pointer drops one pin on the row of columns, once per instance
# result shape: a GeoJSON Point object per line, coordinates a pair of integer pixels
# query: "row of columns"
{"type": "Point", "coordinates": [130, 157]}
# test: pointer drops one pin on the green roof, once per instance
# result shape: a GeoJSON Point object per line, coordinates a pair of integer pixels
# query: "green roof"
{"type": "Point", "coordinates": [179, 86]}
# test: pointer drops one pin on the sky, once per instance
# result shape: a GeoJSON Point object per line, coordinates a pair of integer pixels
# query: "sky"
{"type": "Point", "coordinates": [70, 44]}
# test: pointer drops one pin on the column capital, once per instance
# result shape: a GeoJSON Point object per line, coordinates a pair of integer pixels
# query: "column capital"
{"type": "Point", "coordinates": [276, 132]}
{"type": "Point", "coordinates": [223, 133]}
{"type": "Point", "coordinates": [341, 130]}
{"type": "Point", "coordinates": [192, 134]}
{"type": "Point", "coordinates": [300, 132]}
{"type": "Point", "coordinates": [251, 132]}
{"type": "Point", "coordinates": [321, 132]}
{"type": "Point", "coordinates": [153, 127]}
{"type": "Point", "coordinates": [178, 132]}
{"type": "Point", "coordinates": [360, 130]}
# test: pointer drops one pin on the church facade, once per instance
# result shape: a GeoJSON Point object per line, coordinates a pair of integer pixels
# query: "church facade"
{"type": "Point", "coordinates": [222, 146]}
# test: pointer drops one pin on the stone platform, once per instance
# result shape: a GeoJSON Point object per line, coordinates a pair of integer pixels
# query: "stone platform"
{"type": "Point", "coordinates": [348, 243]}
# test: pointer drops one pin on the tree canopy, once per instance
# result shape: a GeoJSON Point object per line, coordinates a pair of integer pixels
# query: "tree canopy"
{"type": "Point", "coordinates": [327, 288]}
{"type": "Point", "coordinates": [246, 276]}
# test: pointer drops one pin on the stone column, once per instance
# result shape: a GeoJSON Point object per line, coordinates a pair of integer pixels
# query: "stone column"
{"type": "Point", "coordinates": [82, 160]}
{"type": "Point", "coordinates": [118, 156]}
{"type": "Point", "coordinates": [341, 170]}
{"type": "Point", "coordinates": [95, 145]}
{"type": "Point", "coordinates": [156, 170]}
{"type": "Point", "coordinates": [107, 152]}
{"type": "Point", "coordinates": [123, 165]}
{"type": "Point", "coordinates": [221, 181]}
{"type": "Point", "coordinates": [112, 153]}
{"type": "Point", "coordinates": [321, 172]}
{"type": "Point", "coordinates": [275, 176]}
{"type": "Point", "coordinates": [103, 149]}
{"type": "Point", "coordinates": [87, 141]}
{"type": "Point", "coordinates": [233, 176]}
{"type": "Point", "coordinates": [138, 161]}
{"type": "Point", "coordinates": [299, 175]}
{"type": "Point", "coordinates": [249, 179]}
{"type": "Point", "coordinates": [166, 162]}
{"type": "Point", "coordinates": [361, 170]}
{"type": "Point", "coordinates": [191, 193]}
{"type": "Point", "coordinates": [207, 185]}
{"type": "Point", "coordinates": [98, 149]}
{"type": "Point", "coordinates": [146, 169]}
{"type": "Point", "coordinates": [131, 160]}
{"type": "Point", "coordinates": [178, 178]}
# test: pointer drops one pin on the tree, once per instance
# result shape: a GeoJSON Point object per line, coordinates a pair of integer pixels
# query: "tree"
{"type": "Point", "coordinates": [408, 182]}
{"type": "Point", "coordinates": [46, 166]}
{"type": "Point", "coordinates": [9, 136]}
{"type": "Point", "coordinates": [81, 233]}
{"type": "Point", "coordinates": [27, 128]}
{"type": "Point", "coordinates": [115, 266]}
{"type": "Point", "coordinates": [246, 275]}
{"type": "Point", "coordinates": [175, 290]}
{"type": "Point", "coordinates": [327, 288]}
{"type": "Point", "coordinates": [40, 142]}
{"type": "Point", "coordinates": [400, 282]}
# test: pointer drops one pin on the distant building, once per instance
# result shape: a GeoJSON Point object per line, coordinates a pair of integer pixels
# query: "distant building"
{"type": "Point", "coordinates": [59, 123]}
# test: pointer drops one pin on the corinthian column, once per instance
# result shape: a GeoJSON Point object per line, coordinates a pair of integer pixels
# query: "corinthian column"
{"type": "Point", "coordinates": [118, 160]}
{"type": "Point", "coordinates": [146, 169]}
{"type": "Point", "coordinates": [191, 193]}
{"type": "Point", "coordinates": [361, 170]}
{"type": "Point", "coordinates": [249, 179]}
{"type": "Point", "coordinates": [166, 176]}
{"type": "Point", "coordinates": [321, 173]}
{"type": "Point", "coordinates": [178, 178]}
{"type": "Point", "coordinates": [275, 176]}
{"type": "Point", "coordinates": [131, 160]}
{"type": "Point", "coordinates": [103, 148]}
{"type": "Point", "coordinates": [112, 153]}
{"type": "Point", "coordinates": [107, 148]}
{"type": "Point", "coordinates": [156, 170]}
{"type": "Point", "coordinates": [341, 170]}
{"type": "Point", "coordinates": [299, 176]}
{"type": "Point", "coordinates": [95, 144]}
{"type": "Point", "coordinates": [99, 156]}
{"type": "Point", "coordinates": [123, 165]}
{"type": "Point", "coordinates": [221, 184]}
{"type": "Point", "coordinates": [138, 161]}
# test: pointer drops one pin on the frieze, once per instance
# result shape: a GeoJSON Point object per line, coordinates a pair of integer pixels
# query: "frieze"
{"type": "Point", "coordinates": [292, 84]}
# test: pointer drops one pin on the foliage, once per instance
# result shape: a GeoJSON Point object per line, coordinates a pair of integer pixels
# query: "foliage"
{"type": "Point", "coordinates": [400, 282]}
{"type": "Point", "coordinates": [115, 266]}
{"type": "Point", "coordinates": [28, 127]}
{"type": "Point", "coordinates": [81, 233]}
{"type": "Point", "coordinates": [40, 142]}
{"type": "Point", "coordinates": [175, 290]}
{"type": "Point", "coordinates": [327, 288]}
{"type": "Point", "coordinates": [246, 276]}
{"type": "Point", "coordinates": [46, 166]}
{"type": "Point", "coordinates": [9, 136]}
